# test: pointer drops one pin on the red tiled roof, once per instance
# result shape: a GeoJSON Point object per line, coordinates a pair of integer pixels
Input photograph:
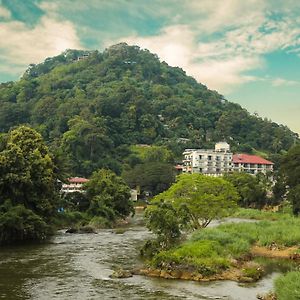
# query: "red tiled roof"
{"type": "Point", "coordinates": [78, 180]}
{"type": "Point", "coordinates": [250, 159]}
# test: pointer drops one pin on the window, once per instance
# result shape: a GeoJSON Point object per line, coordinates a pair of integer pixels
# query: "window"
{"type": "Point", "coordinates": [209, 157]}
{"type": "Point", "coordinates": [200, 157]}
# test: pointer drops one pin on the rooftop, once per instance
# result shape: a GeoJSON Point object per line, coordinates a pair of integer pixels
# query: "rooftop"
{"type": "Point", "coordinates": [250, 159]}
{"type": "Point", "coordinates": [77, 180]}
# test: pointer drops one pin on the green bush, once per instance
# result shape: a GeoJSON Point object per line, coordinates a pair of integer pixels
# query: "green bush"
{"type": "Point", "coordinates": [71, 218]}
{"type": "Point", "coordinates": [19, 224]}
{"type": "Point", "coordinates": [100, 222]}
{"type": "Point", "coordinates": [287, 287]}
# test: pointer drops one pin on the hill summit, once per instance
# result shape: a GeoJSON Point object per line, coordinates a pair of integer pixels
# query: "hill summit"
{"type": "Point", "coordinates": [93, 106]}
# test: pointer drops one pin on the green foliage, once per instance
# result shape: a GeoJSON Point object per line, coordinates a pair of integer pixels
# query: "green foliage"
{"type": "Point", "coordinates": [18, 224]}
{"type": "Point", "coordinates": [190, 203]}
{"type": "Point", "coordinates": [290, 168]}
{"type": "Point", "coordinates": [70, 218]}
{"type": "Point", "coordinates": [250, 188]}
{"type": "Point", "coordinates": [163, 220]}
{"type": "Point", "coordinates": [205, 256]}
{"type": "Point", "coordinates": [256, 214]}
{"type": "Point", "coordinates": [200, 198]}
{"type": "Point", "coordinates": [154, 177]}
{"type": "Point", "coordinates": [109, 195]}
{"type": "Point", "coordinates": [29, 183]}
{"type": "Point", "coordinates": [284, 232]}
{"type": "Point", "coordinates": [125, 96]}
{"type": "Point", "coordinates": [211, 250]}
{"type": "Point", "coordinates": [287, 287]}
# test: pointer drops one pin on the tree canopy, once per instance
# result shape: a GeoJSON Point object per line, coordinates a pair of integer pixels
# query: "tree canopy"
{"type": "Point", "coordinates": [28, 185]}
{"type": "Point", "coordinates": [250, 188]}
{"type": "Point", "coordinates": [201, 198]}
{"type": "Point", "coordinates": [109, 195]}
{"type": "Point", "coordinates": [94, 107]}
{"type": "Point", "coordinates": [290, 169]}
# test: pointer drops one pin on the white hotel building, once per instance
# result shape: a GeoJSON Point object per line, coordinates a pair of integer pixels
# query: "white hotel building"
{"type": "Point", "coordinates": [216, 162]}
{"type": "Point", "coordinates": [212, 162]}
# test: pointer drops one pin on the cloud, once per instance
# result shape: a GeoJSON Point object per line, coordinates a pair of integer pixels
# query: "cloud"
{"type": "Point", "coordinates": [22, 45]}
{"type": "Point", "coordinates": [4, 13]}
{"type": "Point", "coordinates": [219, 44]}
{"type": "Point", "coordinates": [283, 82]}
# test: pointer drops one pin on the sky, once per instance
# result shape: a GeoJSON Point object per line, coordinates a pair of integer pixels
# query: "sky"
{"type": "Point", "coordinates": [249, 51]}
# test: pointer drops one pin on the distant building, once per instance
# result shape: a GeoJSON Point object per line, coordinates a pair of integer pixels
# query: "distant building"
{"type": "Point", "coordinates": [251, 164]}
{"type": "Point", "coordinates": [75, 184]}
{"type": "Point", "coordinates": [134, 194]}
{"type": "Point", "coordinates": [214, 162]}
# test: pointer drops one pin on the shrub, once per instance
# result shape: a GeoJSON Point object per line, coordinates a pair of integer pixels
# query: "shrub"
{"type": "Point", "coordinates": [19, 224]}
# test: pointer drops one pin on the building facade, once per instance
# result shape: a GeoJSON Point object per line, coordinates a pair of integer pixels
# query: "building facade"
{"type": "Point", "coordinates": [213, 162]}
{"type": "Point", "coordinates": [75, 184]}
{"type": "Point", "coordinates": [216, 162]}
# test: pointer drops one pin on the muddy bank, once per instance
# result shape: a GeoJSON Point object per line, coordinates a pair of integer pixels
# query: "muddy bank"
{"type": "Point", "coordinates": [243, 272]}
{"type": "Point", "coordinates": [276, 252]}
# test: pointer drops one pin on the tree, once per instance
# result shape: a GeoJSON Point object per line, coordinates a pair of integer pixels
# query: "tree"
{"type": "Point", "coordinates": [163, 220]}
{"type": "Point", "coordinates": [154, 177]}
{"type": "Point", "coordinates": [28, 189]}
{"type": "Point", "coordinates": [290, 168]}
{"type": "Point", "coordinates": [109, 195]}
{"type": "Point", "coordinates": [200, 199]}
{"type": "Point", "coordinates": [250, 188]}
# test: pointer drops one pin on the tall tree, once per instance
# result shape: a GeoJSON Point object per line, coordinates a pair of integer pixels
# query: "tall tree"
{"type": "Point", "coordinates": [250, 188]}
{"type": "Point", "coordinates": [109, 195]}
{"type": "Point", "coordinates": [200, 198]}
{"type": "Point", "coordinates": [28, 186]}
{"type": "Point", "coordinates": [290, 168]}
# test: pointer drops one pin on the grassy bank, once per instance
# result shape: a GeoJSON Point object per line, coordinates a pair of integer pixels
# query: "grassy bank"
{"type": "Point", "coordinates": [255, 214]}
{"type": "Point", "coordinates": [213, 250]}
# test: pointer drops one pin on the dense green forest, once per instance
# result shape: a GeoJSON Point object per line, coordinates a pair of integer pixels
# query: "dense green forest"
{"type": "Point", "coordinates": [91, 110]}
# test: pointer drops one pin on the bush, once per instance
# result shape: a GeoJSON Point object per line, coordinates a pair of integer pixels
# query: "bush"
{"type": "Point", "coordinates": [71, 218]}
{"type": "Point", "coordinates": [19, 224]}
{"type": "Point", "coordinates": [287, 287]}
{"type": "Point", "coordinates": [100, 222]}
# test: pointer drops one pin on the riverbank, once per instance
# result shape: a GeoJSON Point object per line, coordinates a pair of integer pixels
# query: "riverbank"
{"type": "Point", "coordinates": [226, 252]}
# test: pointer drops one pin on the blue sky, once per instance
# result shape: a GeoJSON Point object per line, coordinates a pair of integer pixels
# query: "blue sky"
{"type": "Point", "coordinates": [249, 51]}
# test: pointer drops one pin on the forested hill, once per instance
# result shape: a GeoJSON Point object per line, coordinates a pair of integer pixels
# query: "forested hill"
{"type": "Point", "coordinates": [92, 105]}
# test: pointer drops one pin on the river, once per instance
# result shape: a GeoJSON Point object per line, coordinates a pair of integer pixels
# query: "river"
{"type": "Point", "coordinates": [77, 266]}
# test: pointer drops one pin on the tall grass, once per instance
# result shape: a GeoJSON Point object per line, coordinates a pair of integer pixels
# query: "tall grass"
{"type": "Point", "coordinates": [287, 287]}
{"type": "Point", "coordinates": [255, 214]}
{"type": "Point", "coordinates": [212, 249]}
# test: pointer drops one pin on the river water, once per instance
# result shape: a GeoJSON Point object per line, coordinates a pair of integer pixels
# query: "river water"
{"type": "Point", "coordinates": [77, 266]}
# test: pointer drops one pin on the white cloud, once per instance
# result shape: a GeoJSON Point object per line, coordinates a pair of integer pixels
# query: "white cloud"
{"type": "Point", "coordinates": [4, 13]}
{"type": "Point", "coordinates": [22, 45]}
{"type": "Point", "coordinates": [210, 63]}
{"type": "Point", "coordinates": [227, 40]}
{"type": "Point", "coordinates": [283, 82]}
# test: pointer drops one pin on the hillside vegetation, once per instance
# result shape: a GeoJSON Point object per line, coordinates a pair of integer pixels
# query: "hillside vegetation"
{"type": "Point", "coordinates": [91, 110]}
